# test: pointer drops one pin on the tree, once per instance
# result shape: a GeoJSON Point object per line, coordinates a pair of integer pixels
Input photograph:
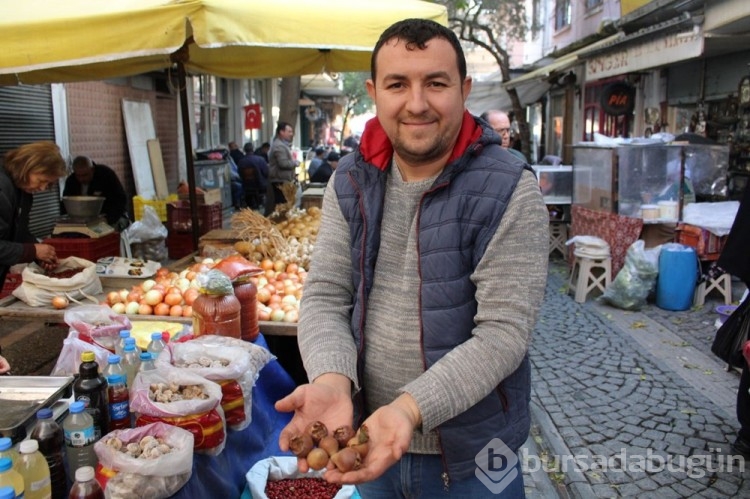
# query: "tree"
{"type": "Point", "coordinates": [357, 99]}
{"type": "Point", "coordinates": [494, 25]}
{"type": "Point", "coordinates": [289, 99]}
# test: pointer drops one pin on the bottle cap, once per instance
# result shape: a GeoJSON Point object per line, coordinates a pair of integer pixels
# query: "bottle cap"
{"type": "Point", "coordinates": [145, 356]}
{"type": "Point", "coordinates": [156, 336]}
{"type": "Point", "coordinates": [76, 407]}
{"type": "Point", "coordinates": [5, 464]}
{"type": "Point", "coordinates": [130, 347]}
{"type": "Point", "coordinates": [5, 443]}
{"type": "Point", "coordinates": [84, 474]}
{"type": "Point", "coordinates": [29, 446]}
{"type": "Point", "coordinates": [88, 356]}
{"type": "Point", "coordinates": [7, 492]}
{"type": "Point", "coordinates": [129, 340]}
{"type": "Point", "coordinates": [45, 413]}
{"type": "Point", "coordinates": [113, 359]}
{"type": "Point", "coordinates": [115, 378]}
{"type": "Point", "coordinates": [124, 333]}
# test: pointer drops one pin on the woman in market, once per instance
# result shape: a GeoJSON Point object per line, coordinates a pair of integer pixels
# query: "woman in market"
{"type": "Point", "coordinates": [26, 170]}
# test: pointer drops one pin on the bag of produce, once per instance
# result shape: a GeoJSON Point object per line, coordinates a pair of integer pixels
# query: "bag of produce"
{"type": "Point", "coordinates": [97, 324]}
{"type": "Point", "coordinates": [69, 359]}
{"type": "Point", "coordinates": [278, 477]}
{"type": "Point", "coordinates": [74, 278]}
{"type": "Point", "coordinates": [184, 399]}
{"type": "Point", "coordinates": [152, 461]}
{"type": "Point", "coordinates": [227, 363]}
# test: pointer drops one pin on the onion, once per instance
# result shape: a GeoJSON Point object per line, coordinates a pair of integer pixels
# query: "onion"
{"type": "Point", "coordinates": [113, 297]}
{"type": "Point", "coordinates": [131, 308]}
{"type": "Point", "coordinates": [60, 302]}
{"type": "Point", "coordinates": [153, 297]}
{"type": "Point", "coordinates": [148, 284]}
{"type": "Point", "coordinates": [278, 315]}
{"type": "Point", "coordinates": [118, 308]}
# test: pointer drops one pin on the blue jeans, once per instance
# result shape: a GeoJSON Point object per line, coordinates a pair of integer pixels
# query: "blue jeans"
{"type": "Point", "coordinates": [419, 475]}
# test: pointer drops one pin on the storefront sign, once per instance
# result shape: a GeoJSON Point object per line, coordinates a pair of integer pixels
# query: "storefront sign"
{"type": "Point", "coordinates": [618, 98]}
{"type": "Point", "coordinates": [662, 51]}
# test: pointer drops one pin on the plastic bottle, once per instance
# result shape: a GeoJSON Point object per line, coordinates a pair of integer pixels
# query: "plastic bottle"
{"type": "Point", "coordinates": [147, 362]}
{"type": "Point", "coordinates": [114, 366]}
{"type": "Point", "coordinates": [10, 477]}
{"type": "Point", "coordinates": [7, 450]}
{"type": "Point", "coordinates": [156, 345]}
{"type": "Point", "coordinates": [35, 471]}
{"type": "Point", "coordinates": [119, 402]}
{"type": "Point", "coordinates": [91, 389]}
{"type": "Point", "coordinates": [120, 344]}
{"type": "Point", "coordinates": [85, 487]}
{"type": "Point", "coordinates": [51, 440]}
{"type": "Point", "coordinates": [130, 362]}
{"type": "Point", "coordinates": [7, 492]}
{"type": "Point", "coordinates": [78, 428]}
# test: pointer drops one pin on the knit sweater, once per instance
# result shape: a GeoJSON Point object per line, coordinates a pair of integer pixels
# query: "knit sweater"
{"type": "Point", "coordinates": [394, 358]}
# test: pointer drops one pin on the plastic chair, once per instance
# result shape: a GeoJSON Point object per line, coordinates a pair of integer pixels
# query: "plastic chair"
{"type": "Point", "coordinates": [589, 274]}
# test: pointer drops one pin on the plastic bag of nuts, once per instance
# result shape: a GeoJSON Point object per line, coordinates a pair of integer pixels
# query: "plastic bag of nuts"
{"type": "Point", "coordinates": [145, 473]}
{"type": "Point", "coordinates": [283, 468]}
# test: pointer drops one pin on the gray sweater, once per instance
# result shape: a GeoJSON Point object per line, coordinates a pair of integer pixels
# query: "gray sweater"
{"type": "Point", "coordinates": [516, 259]}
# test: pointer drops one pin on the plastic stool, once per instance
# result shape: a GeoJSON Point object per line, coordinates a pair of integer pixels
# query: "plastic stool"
{"type": "Point", "coordinates": [558, 235]}
{"type": "Point", "coordinates": [589, 274]}
{"type": "Point", "coordinates": [722, 284]}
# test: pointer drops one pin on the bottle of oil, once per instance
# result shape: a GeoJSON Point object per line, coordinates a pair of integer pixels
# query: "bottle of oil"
{"type": "Point", "coordinates": [51, 440]}
{"type": "Point", "coordinates": [91, 389]}
{"type": "Point", "coordinates": [35, 471]}
{"type": "Point", "coordinates": [10, 477]}
{"type": "Point", "coordinates": [6, 449]}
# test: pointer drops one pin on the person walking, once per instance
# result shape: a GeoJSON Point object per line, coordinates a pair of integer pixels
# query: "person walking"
{"type": "Point", "coordinates": [426, 279]}
{"type": "Point", "coordinates": [500, 122]}
{"type": "Point", "coordinates": [281, 165]}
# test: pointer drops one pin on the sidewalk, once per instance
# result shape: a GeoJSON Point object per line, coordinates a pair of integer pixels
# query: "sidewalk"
{"type": "Point", "coordinates": [636, 397]}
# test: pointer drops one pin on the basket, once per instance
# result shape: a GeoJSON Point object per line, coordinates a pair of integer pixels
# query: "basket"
{"type": "Point", "coordinates": [159, 205]}
{"type": "Point", "coordinates": [179, 218]}
{"type": "Point", "coordinates": [88, 248]}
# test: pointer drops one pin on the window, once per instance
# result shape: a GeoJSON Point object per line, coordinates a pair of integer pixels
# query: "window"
{"type": "Point", "coordinates": [211, 108]}
{"type": "Point", "coordinates": [596, 120]}
{"type": "Point", "coordinates": [592, 4]}
{"type": "Point", "coordinates": [562, 14]}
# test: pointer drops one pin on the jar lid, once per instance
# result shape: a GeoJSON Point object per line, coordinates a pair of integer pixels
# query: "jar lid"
{"type": "Point", "coordinates": [84, 474]}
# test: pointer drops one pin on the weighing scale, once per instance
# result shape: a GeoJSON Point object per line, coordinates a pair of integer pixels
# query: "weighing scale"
{"type": "Point", "coordinates": [94, 228]}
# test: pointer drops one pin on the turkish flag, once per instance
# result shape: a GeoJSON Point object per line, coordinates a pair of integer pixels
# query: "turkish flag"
{"type": "Point", "coordinates": [252, 116]}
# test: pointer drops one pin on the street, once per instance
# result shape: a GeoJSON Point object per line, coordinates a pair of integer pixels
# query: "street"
{"type": "Point", "coordinates": [624, 404]}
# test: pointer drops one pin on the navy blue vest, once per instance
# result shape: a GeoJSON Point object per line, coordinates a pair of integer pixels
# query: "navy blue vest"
{"type": "Point", "coordinates": [457, 218]}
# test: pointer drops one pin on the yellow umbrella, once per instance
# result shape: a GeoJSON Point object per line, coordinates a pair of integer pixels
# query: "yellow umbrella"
{"type": "Point", "coordinates": [83, 40]}
{"type": "Point", "coordinates": [80, 40]}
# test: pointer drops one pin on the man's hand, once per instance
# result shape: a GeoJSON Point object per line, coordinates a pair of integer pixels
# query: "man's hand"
{"type": "Point", "coordinates": [327, 399]}
{"type": "Point", "coordinates": [390, 430]}
{"type": "Point", "coordinates": [46, 255]}
{"type": "Point", "coordinates": [4, 365]}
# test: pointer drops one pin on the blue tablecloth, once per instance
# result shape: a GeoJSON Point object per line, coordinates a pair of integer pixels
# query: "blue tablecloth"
{"type": "Point", "coordinates": [223, 476]}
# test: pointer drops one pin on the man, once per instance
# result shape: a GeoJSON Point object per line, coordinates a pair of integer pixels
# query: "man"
{"type": "Point", "coordinates": [326, 169]}
{"type": "Point", "coordinates": [235, 152]}
{"type": "Point", "coordinates": [254, 172]}
{"type": "Point", "coordinates": [91, 179]}
{"type": "Point", "coordinates": [263, 150]}
{"type": "Point", "coordinates": [281, 165]}
{"type": "Point", "coordinates": [500, 122]}
{"type": "Point", "coordinates": [320, 154]}
{"type": "Point", "coordinates": [428, 272]}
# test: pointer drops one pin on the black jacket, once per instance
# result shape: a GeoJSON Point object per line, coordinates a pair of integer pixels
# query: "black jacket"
{"type": "Point", "coordinates": [16, 242]}
{"type": "Point", "coordinates": [105, 183]}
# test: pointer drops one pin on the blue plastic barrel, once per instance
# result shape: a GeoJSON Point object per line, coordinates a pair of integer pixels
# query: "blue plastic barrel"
{"type": "Point", "coordinates": [678, 275]}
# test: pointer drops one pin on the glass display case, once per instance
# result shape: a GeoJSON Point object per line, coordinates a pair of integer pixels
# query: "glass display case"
{"type": "Point", "coordinates": [556, 183]}
{"type": "Point", "coordinates": [643, 181]}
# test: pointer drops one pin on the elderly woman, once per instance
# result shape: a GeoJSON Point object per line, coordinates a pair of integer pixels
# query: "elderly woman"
{"type": "Point", "coordinates": [28, 169]}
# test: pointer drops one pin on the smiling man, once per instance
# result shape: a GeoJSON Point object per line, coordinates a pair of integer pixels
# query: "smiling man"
{"type": "Point", "coordinates": [427, 276]}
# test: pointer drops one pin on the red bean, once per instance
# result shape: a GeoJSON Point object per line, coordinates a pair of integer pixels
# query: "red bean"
{"type": "Point", "coordinates": [301, 488]}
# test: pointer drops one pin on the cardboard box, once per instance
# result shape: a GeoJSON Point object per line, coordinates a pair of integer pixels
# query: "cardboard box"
{"type": "Point", "coordinates": [210, 196]}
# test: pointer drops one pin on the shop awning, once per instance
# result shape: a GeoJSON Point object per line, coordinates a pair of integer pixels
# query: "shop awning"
{"type": "Point", "coordinates": [560, 64]}
{"type": "Point", "coordinates": [490, 94]}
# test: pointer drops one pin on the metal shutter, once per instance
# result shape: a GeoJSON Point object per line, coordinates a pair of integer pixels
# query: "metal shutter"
{"type": "Point", "coordinates": [26, 116]}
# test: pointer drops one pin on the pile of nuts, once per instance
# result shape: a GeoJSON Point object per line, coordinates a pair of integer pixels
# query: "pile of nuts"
{"type": "Point", "coordinates": [172, 392]}
{"type": "Point", "coordinates": [301, 488]}
{"type": "Point", "coordinates": [149, 447]}
{"type": "Point", "coordinates": [202, 362]}
{"type": "Point", "coordinates": [344, 449]}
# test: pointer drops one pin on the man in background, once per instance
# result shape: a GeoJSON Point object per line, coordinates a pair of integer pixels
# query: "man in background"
{"type": "Point", "coordinates": [91, 179]}
{"type": "Point", "coordinates": [500, 122]}
{"type": "Point", "coordinates": [281, 164]}
{"type": "Point", "coordinates": [320, 154]}
{"type": "Point", "coordinates": [326, 169]}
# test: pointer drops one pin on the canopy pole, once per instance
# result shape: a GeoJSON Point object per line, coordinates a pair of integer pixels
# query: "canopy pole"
{"type": "Point", "coordinates": [188, 144]}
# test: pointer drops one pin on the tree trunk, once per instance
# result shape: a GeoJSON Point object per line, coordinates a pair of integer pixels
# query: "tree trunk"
{"type": "Point", "coordinates": [289, 100]}
{"type": "Point", "coordinates": [519, 113]}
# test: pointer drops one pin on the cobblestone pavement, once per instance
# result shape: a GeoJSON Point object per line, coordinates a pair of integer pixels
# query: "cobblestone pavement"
{"type": "Point", "coordinates": [636, 397]}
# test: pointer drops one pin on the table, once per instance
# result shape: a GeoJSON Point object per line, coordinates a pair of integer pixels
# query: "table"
{"type": "Point", "coordinates": [224, 475]}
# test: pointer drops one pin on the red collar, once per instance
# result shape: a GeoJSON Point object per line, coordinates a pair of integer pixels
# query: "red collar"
{"type": "Point", "coordinates": [377, 149]}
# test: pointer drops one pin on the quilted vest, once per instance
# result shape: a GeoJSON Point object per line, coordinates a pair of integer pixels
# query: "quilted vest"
{"type": "Point", "coordinates": [458, 216]}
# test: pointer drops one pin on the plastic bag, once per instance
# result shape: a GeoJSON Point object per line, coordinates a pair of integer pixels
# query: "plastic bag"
{"type": "Point", "coordinates": [147, 228]}
{"type": "Point", "coordinates": [230, 366]}
{"type": "Point", "coordinates": [97, 323]}
{"type": "Point", "coordinates": [69, 359]}
{"type": "Point", "coordinates": [203, 417]}
{"type": "Point", "coordinates": [38, 289]}
{"type": "Point", "coordinates": [278, 468]}
{"type": "Point", "coordinates": [136, 477]}
{"type": "Point", "coordinates": [637, 278]}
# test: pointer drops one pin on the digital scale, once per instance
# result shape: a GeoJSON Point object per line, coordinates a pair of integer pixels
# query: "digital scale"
{"type": "Point", "coordinates": [94, 228]}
